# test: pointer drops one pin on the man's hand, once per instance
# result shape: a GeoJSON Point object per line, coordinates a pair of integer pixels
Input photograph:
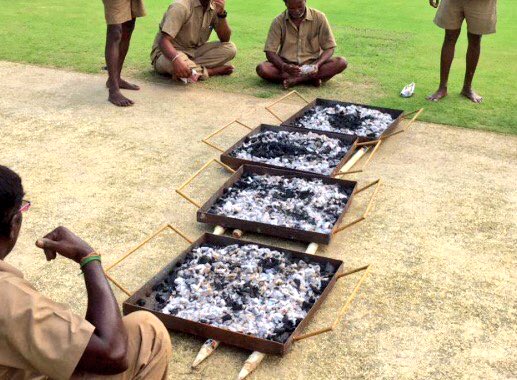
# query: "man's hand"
{"type": "Point", "coordinates": [292, 70]}
{"type": "Point", "coordinates": [219, 6]}
{"type": "Point", "coordinates": [434, 3]}
{"type": "Point", "coordinates": [181, 69]}
{"type": "Point", "coordinates": [64, 242]}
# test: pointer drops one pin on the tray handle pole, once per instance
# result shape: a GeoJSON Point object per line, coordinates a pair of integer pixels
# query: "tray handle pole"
{"type": "Point", "coordinates": [368, 207]}
{"type": "Point", "coordinates": [268, 108]}
{"type": "Point", "coordinates": [406, 127]}
{"type": "Point", "coordinates": [207, 141]}
{"type": "Point", "coordinates": [179, 190]}
{"type": "Point", "coordinates": [364, 148]}
{"type": "Point", "coordinates": [344, 308]}
{"type": "Point", "coordinates": [133, 250]}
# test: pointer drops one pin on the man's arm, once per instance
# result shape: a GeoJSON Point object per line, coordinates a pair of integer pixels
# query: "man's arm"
{"type": "Point", "coordinates": [279, 63]}
{"type": "Point", "coordinates": [325, 56]}
{"type": "Point", "coordinates": [181, 69]}
{"type": "Point", "coordinates": [222, 29]}
{"type": "Point", "coordinates": [106, 352]}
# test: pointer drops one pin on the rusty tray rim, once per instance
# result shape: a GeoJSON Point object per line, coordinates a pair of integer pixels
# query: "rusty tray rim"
{"type": "Point", "coordinates": [224, 335]}
{"type": "Point", "coordinates": [234, 162]}
{"type": "Point", "coordinates": [203, 216]}
{"type": "Point", "coordinates": [317, 101]}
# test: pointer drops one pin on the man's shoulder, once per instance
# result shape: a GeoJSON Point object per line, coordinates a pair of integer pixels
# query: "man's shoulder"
{"type": "Point", "coordinates": [184, 4]}
{"type": "Point", "coordinates": [318, 15]}
{"type": "Point", "coordinates": [279, 19]}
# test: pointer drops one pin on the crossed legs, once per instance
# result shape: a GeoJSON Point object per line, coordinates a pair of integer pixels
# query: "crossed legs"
{"type": "Point", "coordinates": [118, 38]}
{"type": "Point", "coordinates": [447, 56]}
{"type": "Point", "coordinates": [328, 70]}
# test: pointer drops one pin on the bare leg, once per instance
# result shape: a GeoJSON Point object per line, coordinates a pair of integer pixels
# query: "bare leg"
{"type": "Point", "coordinates": [448, 47]}
{"type": "Point", "coordinates": [127, 32]}
{"type": "Point", "coordinates": [113, 40]}
{"type": "Point", "coordinates": [221, 70]}
{"type": "Point", "coordinates": [473, 53]}
{"type": "Point", "coordinates": [270, 72]}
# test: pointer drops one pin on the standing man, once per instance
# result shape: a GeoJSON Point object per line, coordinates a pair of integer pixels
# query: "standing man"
{"type": "Point", "coordinates": [299, 37]}
{"type": "Point", "coordinates": [182, 46]}
{"type": "Point", "coordinates": [41, 339]}
{"type": "Point", "coordinates": [120, 17]}
{"type": "Point", "coordinates": [481, 16]}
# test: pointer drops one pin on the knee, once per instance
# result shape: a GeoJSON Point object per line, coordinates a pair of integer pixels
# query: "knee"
{"type": "Point", "coordinates": [474, 39]}
{"type": "Point", "coordinates": [142, 325]}
{"type": "Point", "coordinates": [341, 63]}
{"type": "Point", "coordinates": [451, 36]}
{"type": "Point", "coordinates": [231, 50]}
{"type": "Point", "coordinates": [261, 70]}
{"type": "Point", "coordinates": [115, 33]}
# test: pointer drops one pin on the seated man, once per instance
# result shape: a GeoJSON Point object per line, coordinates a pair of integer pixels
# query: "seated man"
{"type": "Point", "coordinates": [181, 43]}
{"type": "Point", "coordinates": [300, 36]}
{"type": "Point", "coordinates": [41, 339]}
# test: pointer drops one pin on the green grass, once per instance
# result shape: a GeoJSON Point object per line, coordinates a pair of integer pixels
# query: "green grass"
{"type": "Point", "coordinates": [387, 43]}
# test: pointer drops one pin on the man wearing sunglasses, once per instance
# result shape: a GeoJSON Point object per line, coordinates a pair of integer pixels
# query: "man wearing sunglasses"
{"type": "Point", "coordinates": [41, 339]}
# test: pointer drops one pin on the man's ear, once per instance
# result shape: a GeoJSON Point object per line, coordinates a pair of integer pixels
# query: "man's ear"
{"type": "Point", "coordinates": [15, 225]}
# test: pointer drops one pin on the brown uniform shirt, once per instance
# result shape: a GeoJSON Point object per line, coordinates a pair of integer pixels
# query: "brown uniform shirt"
{"type": "Point", "coordinates": [39, 338]}
{"type": "Point", "coordinates": [300, 45]}
{"type": "Point", "coordinates": [188, 24]}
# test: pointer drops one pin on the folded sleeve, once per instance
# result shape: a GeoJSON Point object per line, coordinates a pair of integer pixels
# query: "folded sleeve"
{"type": "Point", "coordinates": [274, 37]}
{"type": "Point", "coordinates": [38, 334]}
{"type": "Point", "coordinates": [174, 19]}
{"type": "Point", "coordinates": [327, 40]}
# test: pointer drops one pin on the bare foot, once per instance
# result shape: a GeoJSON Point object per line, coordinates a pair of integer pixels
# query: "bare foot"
{"type": "Point", "coordinates": [124, 85]}
{"type": "Point", "coordinates": [316, 83]}
{"type": "Point", "coordinates": [440, 94]}
{"type": "Point", "coordinates": [119, 100]}
{"type": "Point", "coordinates": [221, 70]}
{"type": "Point", "coordinates": [470, 94]}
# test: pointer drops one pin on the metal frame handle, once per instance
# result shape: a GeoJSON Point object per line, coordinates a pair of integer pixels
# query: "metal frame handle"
{"type": "Point", "coordinates": [344, 308]}
{"type": "Point", "coordinates": [268, 108]}
{"type": "Point", "coordinates": [179, 190]}
{"type": "Point", "coordinates": [207, 138]}
{"type": "Point", "coordinates": [406, 127]}
{"type": "Point", "coordinates": [144, 242]}
{"type": "Point", "coordinates": [368, 207]}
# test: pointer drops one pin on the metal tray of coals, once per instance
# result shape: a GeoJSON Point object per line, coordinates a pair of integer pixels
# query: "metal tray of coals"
{"type": "Point", "coordinates": [160, 285]}
{"type": "Point", "coordinates": [228, 157]}
{"type": "Point", "coordinates": [205, 216]}
{"type": "Point", "coordinates": [396, 115]}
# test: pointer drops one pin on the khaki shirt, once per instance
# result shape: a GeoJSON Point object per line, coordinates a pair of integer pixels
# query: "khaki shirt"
{"type": "Point", "coordinates": [39, 338]}
{"type": "Point", "coordinates": [303, 45]}
{"type": "Point", "coordinates": [188, 24]}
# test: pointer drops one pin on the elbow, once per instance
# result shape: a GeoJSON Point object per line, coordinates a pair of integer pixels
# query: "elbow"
{"type": "Point", "coordinates": [117, 361]}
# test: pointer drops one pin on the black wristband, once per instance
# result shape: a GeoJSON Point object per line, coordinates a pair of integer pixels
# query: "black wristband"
{"type": "Point", "coordinates": [222, 15]}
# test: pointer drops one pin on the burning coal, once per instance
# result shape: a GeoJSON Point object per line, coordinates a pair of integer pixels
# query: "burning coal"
{"type": "Point", "coordinates": [246, 289]}
{"type": "Point", "coordinates": [352, 120]}
{"type": "Point", "coordinates": [300, 203]}
{"type": "Point", "coordinates": [301, 151]}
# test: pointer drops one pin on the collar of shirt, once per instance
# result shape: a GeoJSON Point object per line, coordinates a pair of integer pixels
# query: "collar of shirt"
{"type": "Point", "coordinates": [309, 16]}
{"type": "Point", "coordinates": [4, 267]}
{"type": "Point", "coordinates": [197, 3]}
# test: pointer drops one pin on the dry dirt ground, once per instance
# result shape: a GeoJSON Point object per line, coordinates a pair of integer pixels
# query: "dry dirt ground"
{"type": "Point", "coordinates": [440, 302]}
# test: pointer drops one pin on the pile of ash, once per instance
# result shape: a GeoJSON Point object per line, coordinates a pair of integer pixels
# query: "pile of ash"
{"type": "Point", "coordinates": [350, 120]}
{"type": "Point", "coordinates": [247, 289]}
{"type": "Point", "coordinates": [301, 151]}
{"type": "Point", "coordinates": [294, 202]}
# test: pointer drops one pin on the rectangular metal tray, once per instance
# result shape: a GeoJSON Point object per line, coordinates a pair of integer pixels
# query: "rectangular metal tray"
{"type": "Point", "coordinates": [235, 162]}
{"type": "Point", "coordinates": [395, 114]}
{"type": "Point", "coordinates": [203, 216]}
{"type": "Point", "coordinates": [244, 341]}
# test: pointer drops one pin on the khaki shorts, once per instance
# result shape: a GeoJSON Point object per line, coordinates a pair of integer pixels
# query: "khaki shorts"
{"type": "Point", "coordinates": [481, 15]}
{"type": "Point", "coordinates": [121, 11]}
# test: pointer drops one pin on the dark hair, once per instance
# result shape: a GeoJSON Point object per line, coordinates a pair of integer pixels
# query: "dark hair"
{"type": "Point", "coordinates": [11, 195]}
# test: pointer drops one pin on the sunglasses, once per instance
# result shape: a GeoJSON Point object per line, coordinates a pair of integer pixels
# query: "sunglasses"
{"type": "Point", "coordinates": [26, 205]}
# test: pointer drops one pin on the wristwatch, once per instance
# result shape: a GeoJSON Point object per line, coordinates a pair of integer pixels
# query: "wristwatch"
{"type": "Point", "coordinates": [222, 15]}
